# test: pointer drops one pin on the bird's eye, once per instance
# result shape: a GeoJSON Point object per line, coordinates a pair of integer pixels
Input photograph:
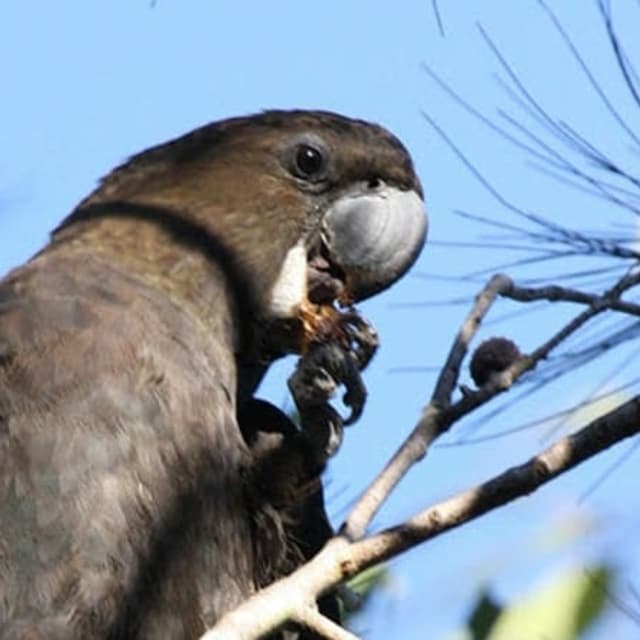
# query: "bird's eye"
{"type": "Point", "coordinates": [375, 183]}
{"type": "Point", "coordinates": [309, 161]}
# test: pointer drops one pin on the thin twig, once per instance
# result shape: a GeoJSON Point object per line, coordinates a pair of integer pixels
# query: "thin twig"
{"type": "Point", "coordinates": [555, 293]}
{"type": "Point", "coordinates": [311, 618]}
{"type": "Point", "coordinates": [415, 446]}
{"type": "Point", "coordinates": [436, 12]}
{"type": "Point", "coordinates": [497, 285]}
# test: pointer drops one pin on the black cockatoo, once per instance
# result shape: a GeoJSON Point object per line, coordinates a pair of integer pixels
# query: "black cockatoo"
{"type": "Point", "coordinates": [144, 492]}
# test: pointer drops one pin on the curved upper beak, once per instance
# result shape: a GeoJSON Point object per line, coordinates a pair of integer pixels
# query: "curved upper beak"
{"type": "Point", "coordinates": [374, 236]}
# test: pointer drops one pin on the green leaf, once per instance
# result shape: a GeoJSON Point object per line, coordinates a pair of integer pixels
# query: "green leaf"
{"type": "Point", "coordinates": [561, 610]}
{"type": "Point", "coordinates": [363, 586]}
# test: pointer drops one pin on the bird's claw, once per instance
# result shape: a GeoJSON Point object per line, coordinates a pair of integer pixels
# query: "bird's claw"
{"type": "Point", "coordinates": [319, 372]}
{"type": "Point", "coordinates": [362, 338]}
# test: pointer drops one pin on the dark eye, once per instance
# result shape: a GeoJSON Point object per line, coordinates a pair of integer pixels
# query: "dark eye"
{"type": "Point", "coordinates": [375, 183]}
{"type": "Point", "coordinates": [309, 161]}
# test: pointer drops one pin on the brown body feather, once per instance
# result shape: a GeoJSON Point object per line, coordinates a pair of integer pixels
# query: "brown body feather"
{"type": "Point", "coordinates": [120, 456]}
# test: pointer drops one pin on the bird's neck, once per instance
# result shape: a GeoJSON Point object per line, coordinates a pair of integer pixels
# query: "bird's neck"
{"type": "Point", "coordinates": [169, 261]}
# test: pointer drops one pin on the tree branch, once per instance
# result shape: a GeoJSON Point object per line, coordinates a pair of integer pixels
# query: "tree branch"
{"type": "Point", "coordinates": [440, 414]}
{"type": "Point", "coordinates": [555, 293]}
{"type": "Point", "coordinates": [623, 422]}
{"type": "Point", "coordinates": [340, 559]}
{"type": "Point", "coordinates": [427, 429]}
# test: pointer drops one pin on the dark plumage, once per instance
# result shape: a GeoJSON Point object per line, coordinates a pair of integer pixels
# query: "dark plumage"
{"type": "Point", "coordinates": [132, 504]}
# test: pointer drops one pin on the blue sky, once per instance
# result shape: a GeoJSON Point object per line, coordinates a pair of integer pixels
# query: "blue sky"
{"type": "Point", "coordinates": [86, 84]}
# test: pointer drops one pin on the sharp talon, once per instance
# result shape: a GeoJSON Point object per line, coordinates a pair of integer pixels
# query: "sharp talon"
{"type": "Point", "coordinates": [353, 417]}
{"type": "Point", "coordinates": [356, 411]}
{"type": "Point", "coordinates": [355, 397]}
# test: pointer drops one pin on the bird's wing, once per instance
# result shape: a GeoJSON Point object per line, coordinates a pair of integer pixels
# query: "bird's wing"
{"type": "Point", "coordinates": [117, 427]}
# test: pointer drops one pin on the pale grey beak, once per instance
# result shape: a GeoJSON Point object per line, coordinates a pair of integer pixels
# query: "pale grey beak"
{"type": "Point", "coordinates": [374, 236]}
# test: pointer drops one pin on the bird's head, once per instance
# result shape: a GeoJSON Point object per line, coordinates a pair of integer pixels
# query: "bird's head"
{"type": "Point", "coordinates": [300, 205]}
{"type": "Point", "coordinates": [364, 221]}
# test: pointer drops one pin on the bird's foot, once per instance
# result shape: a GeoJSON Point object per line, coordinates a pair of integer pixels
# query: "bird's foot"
{"type": "Point", "coordinates": [321, 370]}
